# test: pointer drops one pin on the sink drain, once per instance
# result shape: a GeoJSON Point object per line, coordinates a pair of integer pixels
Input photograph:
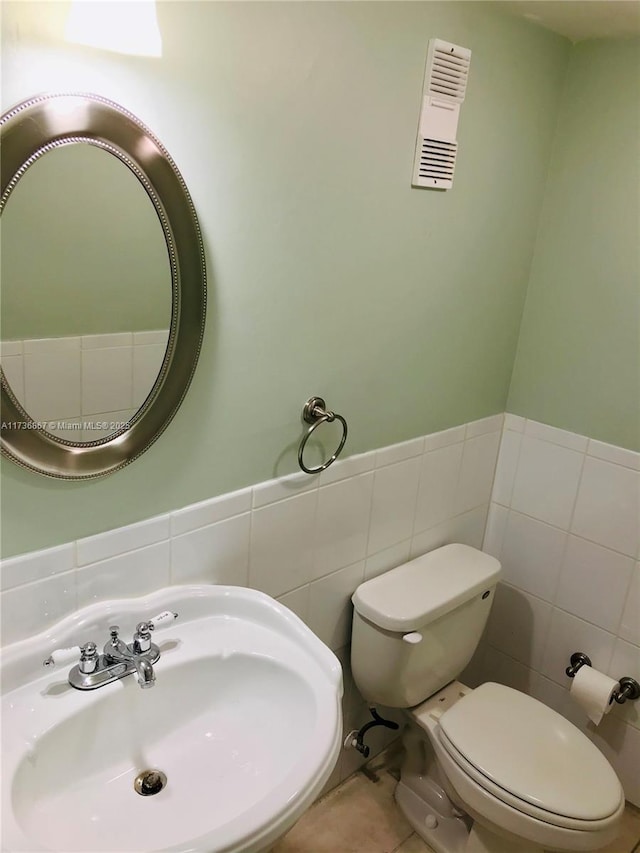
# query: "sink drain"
{"type": "Point", "coordinates": [149, 782]}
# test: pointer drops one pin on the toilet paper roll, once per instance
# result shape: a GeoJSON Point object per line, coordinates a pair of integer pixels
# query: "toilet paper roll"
{"type": "Point", "coordinates": [593, 690]}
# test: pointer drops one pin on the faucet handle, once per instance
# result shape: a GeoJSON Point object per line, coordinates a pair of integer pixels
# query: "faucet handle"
{"type": "Point", "coordinates": [62, 656]}
{"type": "Point", "coordinates": [88, 656]}
{"type": "Point", "coordinates": [162, 619]}
{"type": "Point", "coordinates": [142, 636]}
{"type": "Point", "coordinates": [143, 629]}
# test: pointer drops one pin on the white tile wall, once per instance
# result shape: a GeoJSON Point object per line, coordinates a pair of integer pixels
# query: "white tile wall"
{"type": "Point", "coordinates": [208, 512]}
{"type": "Point", "coordinates": [29, 608]}
{"type": "Point", "coordinates": [37, 565]}
{"type": "Point", "coordinates": [133, 573]}
{"type": "Point", "coordinates": [620, 743]}
{"type": "Point", "coordinates": [445, 437]}
{"type": "Point", "coordinates": [476, 471]}
{"type": "Point", "coordinates": [287, 487]}
{"type": "Point", "coordinates": [467, 528]}
{"type": "Point", "coordinates": [13, 368]}
{"type": "Point", "coordinates": [564, 522]}
{"type": "Point", "coordinates": [88, 378]}
{"type": "Point", "coordinates": [519, 625]}
{"type": "Point", "coordinates": [625, 659]}
{"type": "Point", "coordinates": [394, 503]}
{"type": "Point", "coordinates": [92, 549]}
{"type": "Point", "coordinates": [601, 600]}
{"type": "Point", "coordinates": [147, 361]}
{"type": "Point", "coordinates": [439, 475]}
{"type": "Point", "coordinates": [546, 481]}
{"type": "Point", "coordinates": [608, 509]}
{"type": "Point", "coordinates": [342, 524]}
{"type": "Point", "coordinates": [330, 605]}
{"type": "Point", "coordinates": [506, 467]}
{"type": "Point", "coordinates": [52, 383]}
{"type": "Point", "coordinates": [218, 553]}
{"type": "Point", "coordinates": [399, 452]}
{"type": "Point", "coordinates": [107, 380]}
{"type": "Point", "coordinates": [495, 529]}
{"type": "Point", "coordinates": [298, 601]}
{"type": "Point", "coordinates": [532, 554]}
{"type": "Point", "coordinates": [388, 559]}
{"type": "Point", "coordinates": [281, 551]}
{"type": "Point", "coordinates": [630, 624]}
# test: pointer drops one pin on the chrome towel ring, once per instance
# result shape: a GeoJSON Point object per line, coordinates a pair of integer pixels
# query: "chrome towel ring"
{"type": "Point", "coordinates": [315, 413]}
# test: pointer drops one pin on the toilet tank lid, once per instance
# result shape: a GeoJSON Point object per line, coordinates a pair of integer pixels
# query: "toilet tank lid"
{"type": "Point", "coordinates": [418, 592]}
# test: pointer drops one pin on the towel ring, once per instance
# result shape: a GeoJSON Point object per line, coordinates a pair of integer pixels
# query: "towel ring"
{"type": "Point", "coordinates": [315, 413]}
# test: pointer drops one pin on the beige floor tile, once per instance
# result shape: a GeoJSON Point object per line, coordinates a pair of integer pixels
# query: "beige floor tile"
{"type": "Point", "coordinates": [629, 837]}
{"type": "Point", "coordinates": [358, 817]}
{"type": "Point", "coordinates": [414, 844]}
{"type": "Point", "coordinates": [629, 833]}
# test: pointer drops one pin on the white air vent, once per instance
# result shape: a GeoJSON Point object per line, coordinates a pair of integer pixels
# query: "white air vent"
{"type": "Point", "coordinates": [449, 70]}
{"type": "Point", "coordinates": [445, 84]}
{"type": "Point", "coordinates": [437, 162]}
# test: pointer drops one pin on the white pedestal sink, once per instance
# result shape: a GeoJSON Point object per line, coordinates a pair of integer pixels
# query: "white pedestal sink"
{"type": "Point", "coordinates": [244, 720]}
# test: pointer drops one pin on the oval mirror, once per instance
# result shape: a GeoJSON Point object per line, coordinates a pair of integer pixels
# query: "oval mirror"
{"type": "Point", "coordinates": [85, 318]}
{"type": "Point", "coordinates": [103, 286]}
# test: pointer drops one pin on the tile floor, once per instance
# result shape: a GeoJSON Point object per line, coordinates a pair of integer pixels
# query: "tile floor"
{"type": "Point", "coordinates": [360, 816]}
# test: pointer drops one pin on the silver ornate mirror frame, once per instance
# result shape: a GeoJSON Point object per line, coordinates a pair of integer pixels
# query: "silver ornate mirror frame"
{"type": "Point", "coordinates": [27, 132]}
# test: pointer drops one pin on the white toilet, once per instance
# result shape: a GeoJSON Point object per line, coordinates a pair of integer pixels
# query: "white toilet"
{"type": "Point", "coordinates": [489, 770]}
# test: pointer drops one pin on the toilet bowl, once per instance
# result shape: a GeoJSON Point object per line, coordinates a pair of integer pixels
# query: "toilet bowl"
{"type": "Point", "coordinates": [489, 770]}
{"type": "Point", "coordinates": [528, 775]}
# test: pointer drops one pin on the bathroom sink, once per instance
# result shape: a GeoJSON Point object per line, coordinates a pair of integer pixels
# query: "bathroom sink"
{"type": "Point", "coordinates": [244, 722]}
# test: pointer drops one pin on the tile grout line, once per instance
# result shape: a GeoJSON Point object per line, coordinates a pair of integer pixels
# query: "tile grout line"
{"type": "Point", "coordinates": [509, 508]}
{"type": "Point", "coordinates": [414, 516]}
{"type": "Point", "coordinates": [567, 532]}
{"type": "Point", "coordinates": [250, 536]}
{"type": "Point", "coordinates": [503, 432]}
{"type": "Point", "coordinates": [414, 519]}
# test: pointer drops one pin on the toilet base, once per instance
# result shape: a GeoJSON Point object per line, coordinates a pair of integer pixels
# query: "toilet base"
{"type": "Point", "coordinates": [432, 806]}
{"type": "Point", "coordinates": [444, 827]}
{"type": "Point", "coordinates": [444, 833]}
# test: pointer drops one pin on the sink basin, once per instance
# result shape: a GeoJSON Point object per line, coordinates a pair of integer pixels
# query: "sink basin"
{"type": "Point", "coordinates": [244, 721]}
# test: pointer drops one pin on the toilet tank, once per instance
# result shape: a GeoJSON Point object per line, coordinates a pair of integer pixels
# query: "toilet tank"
{"type": "Point", "coordinates": [416, 627]}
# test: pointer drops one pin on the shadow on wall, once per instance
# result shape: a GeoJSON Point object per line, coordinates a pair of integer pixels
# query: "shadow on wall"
{"type": "Point", "coordinates": [506, 652]}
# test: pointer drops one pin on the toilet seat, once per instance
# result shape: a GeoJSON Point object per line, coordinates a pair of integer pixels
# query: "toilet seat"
{"type": "Point", "coordinates": [522, 806]}
{"type": "Point", "coordinates": [530, 758]}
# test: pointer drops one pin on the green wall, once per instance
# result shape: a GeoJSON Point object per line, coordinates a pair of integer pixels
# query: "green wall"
{"type": "Point", "coordinates": [578, 359]}
{"type": "Point", "coordinates": [294, 126]}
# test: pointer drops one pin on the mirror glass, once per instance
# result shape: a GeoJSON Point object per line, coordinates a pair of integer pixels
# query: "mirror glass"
{"type": "Point", "coordinates": [104, 292]}
{"type": "Point", "coordinates": [86, 292]}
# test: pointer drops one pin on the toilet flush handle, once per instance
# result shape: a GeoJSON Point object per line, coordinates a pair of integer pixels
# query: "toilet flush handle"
{"type": "Point", "coordinates": [412, 638]}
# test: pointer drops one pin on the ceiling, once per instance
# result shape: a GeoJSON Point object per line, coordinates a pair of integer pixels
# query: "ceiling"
{"type": "Point", "coordinates": [581, 19]}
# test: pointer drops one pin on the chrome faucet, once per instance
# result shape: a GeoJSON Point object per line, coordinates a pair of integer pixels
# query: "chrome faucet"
{"type": "Point", "coordinates": [117, 660]}
{"type": "Point", "coordinates": [145, 672]}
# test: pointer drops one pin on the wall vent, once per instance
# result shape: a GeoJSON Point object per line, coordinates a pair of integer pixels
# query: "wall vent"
{"type": "Point", "coordinates": [445, 84]}
{"type": "Point", "coordinates": [437, 161]}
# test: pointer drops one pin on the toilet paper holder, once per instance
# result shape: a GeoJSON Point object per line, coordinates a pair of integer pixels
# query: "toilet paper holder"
{"type": "Point", "coordinates": [629, 687]}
